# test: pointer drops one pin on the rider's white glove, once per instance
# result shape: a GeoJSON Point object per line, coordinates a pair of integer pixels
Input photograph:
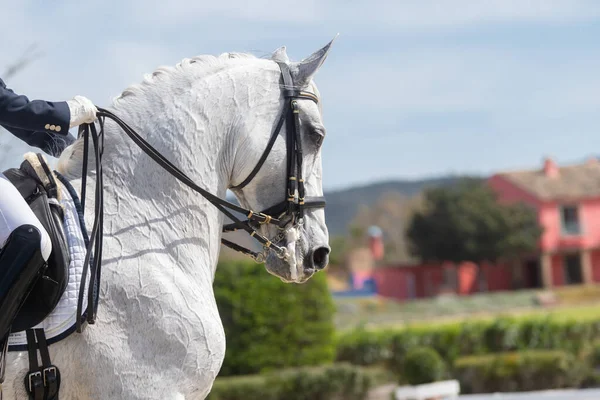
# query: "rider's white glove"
{"type": "Point", "coordinates": [82, 111]}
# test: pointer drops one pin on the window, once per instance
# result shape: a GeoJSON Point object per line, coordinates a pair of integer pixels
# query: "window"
{"type": "Point", "coordinates": [569, 216]}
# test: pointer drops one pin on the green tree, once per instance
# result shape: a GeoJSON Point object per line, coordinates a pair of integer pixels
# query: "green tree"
{"type": "Point", "coordinates": [270, 324]}
{"type": "Point", "coordinates": [467, 223]}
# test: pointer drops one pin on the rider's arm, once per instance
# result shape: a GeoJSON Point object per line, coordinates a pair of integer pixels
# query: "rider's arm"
{"type": "Point", "coordinates": [43, 124]}
{"type": "Point", "coordinates": [17, 111]}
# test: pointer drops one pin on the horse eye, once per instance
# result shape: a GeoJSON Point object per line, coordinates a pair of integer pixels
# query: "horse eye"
{"type": "Point", "coordinates": [320, 140]}
{"type": "Point", "coordinates": [317, 136]}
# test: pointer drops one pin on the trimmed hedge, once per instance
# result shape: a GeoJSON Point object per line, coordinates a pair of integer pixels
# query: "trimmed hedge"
{"type": "Point", "coordinates": [389, 346]}
{"type": "Point", "coordinates": [334, 382]}
{"type": "Point", "coordinates": [422, 365]}
{"type": "Point", "coordinates": [522, 371]}
{"type": "Point", "coordinates": [364, 347]}
{"type": "Point", "coordinates": [270, 324]}
{"type": "Point", "coordinates": [594, 355]}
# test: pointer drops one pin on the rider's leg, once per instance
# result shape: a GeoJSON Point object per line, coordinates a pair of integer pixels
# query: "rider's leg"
{"type": "Point", "coordinates": [21, 263]}
{"type": "Point", "coordinates": [15, 212]}
{"type": "Point", "coordinates": [24, 248]}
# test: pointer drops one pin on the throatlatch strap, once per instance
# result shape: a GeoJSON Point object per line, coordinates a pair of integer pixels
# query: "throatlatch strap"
{"type": "Point", "coordinates": [42, 382]}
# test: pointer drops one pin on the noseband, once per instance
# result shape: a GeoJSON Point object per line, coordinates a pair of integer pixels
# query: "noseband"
{"type": "Point", "coordinates": [288, 213]}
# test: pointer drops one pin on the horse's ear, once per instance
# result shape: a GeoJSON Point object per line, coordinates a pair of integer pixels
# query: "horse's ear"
{"type": "Point", "coordinates": [303, 71]}
{"type": "Point", "coordinates": [280, 55]}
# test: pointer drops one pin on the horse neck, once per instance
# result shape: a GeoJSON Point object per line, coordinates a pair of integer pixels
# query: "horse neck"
{"type": "Point", "coordinates": [145, 207]}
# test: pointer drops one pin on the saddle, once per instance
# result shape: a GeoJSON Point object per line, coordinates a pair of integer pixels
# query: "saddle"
{"type": "Point", "coordinates": [33, 292]}
{"type": "Point", "coordinates": [38, 186]}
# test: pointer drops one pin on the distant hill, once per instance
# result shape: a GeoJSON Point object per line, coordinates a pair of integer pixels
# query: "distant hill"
{"type": "Point", "coordinates": [342, 205]}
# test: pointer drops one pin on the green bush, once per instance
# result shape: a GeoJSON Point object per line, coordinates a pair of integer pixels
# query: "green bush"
{"type": "Point", "coordinates": [590, 356]}
{"type": "Point", "coordinates": [334, 382]}
{"type": "Point", "coordinates": [594, 355]}
{"type": "Point", "coordinates": [522, 371]}
{"type": "Point", "coordinates": [422, 365]}
{"type": "Point", "coordinates": [376, 347]}
{"type": "Point", "coordinates": [364, 347]}
{"type": "Point", "coordinates": [270, 324]}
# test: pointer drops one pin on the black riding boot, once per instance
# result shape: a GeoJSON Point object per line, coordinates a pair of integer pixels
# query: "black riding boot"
{"type": "Point", "coordinates": [21, 264]}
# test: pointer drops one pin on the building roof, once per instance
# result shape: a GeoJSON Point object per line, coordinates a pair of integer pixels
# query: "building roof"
{"type": "Point", "coordinates": [552, 182]}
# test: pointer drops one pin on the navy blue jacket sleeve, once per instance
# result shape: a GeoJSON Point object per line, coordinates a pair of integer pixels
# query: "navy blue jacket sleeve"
{"type": "Point", "coordinates": [39, 123]}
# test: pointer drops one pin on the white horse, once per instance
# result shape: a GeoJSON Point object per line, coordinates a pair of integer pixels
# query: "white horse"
{"type": "Point", "coordinates": [158, 334]}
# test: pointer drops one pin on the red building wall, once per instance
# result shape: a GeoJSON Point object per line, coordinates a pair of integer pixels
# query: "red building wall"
{"type": "Point", "coordinates": [399, 281]}
{"type": "Point", "coordinates": [595, 255]}
{"type": "Point", "coordinates": [498, 277]}
{"type": "Point", "coordinates": [428, 280]}
{"type": "Point", "coordinates": [557, 270]}
{"type": "Point", "coordinates": [392, 282]}
{"type": "Point", "coordinates": [590, 217]}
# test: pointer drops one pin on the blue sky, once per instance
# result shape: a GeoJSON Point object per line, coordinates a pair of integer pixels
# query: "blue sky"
{"type": "Point", "coordinates": [411, 88]}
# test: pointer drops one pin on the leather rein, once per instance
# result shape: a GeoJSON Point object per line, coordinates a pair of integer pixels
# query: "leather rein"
{"type": "Point", "coordinates": [289, 212]}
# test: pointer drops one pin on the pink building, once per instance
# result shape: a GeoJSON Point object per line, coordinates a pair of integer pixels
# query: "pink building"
{"type": "Point", "coordinates": [567, 200]}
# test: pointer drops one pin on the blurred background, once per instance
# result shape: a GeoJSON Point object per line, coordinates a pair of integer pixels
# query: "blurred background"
{"type": "Point", "coordinates": [460, 169]}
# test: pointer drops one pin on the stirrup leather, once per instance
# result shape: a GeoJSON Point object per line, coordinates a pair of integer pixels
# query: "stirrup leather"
{"type": "Point", "coordinates": [41, 382]}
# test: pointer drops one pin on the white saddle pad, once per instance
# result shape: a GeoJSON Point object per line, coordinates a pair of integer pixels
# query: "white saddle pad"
{"type": "Point", "coordinates": [61, 322]}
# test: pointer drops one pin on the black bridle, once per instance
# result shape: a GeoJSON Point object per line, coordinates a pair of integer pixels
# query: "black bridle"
{"type": "Point", "coordinates": [287, 213]}
{"type": "Point", "coordinates": [292, 206]}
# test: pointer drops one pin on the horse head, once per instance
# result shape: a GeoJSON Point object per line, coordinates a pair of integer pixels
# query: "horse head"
{"type": "Point", "coordinates": [291, 173]}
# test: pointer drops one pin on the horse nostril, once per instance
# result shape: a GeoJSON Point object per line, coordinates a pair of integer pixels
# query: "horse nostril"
{"type": "Point", "coordinates": [320, 257]}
